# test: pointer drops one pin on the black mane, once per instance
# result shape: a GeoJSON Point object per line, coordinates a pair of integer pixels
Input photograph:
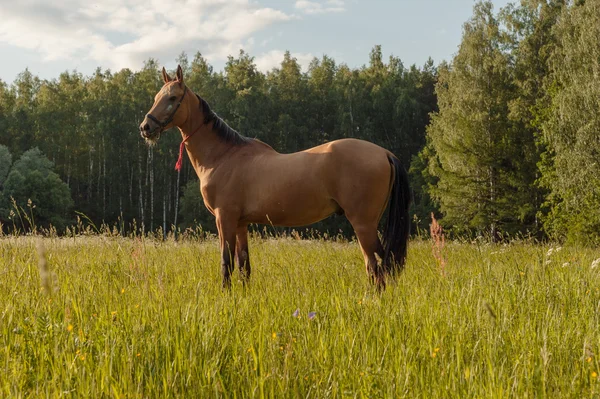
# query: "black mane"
{"type": "Point", "coordinates": [223, 130]}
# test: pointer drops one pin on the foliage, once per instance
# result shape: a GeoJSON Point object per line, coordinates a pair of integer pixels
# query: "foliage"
{"type": "Point", "coordinates": [5, 164]}
{"type": "Point", "coordinates": [37, 190]}
{"type": "Point", "coordinates": [480, 157]}
{"type": "Point", "coordinates": [572, 124]}
{"type": "Point", "coordinates": [193, 210]}
{"type": "Point", "coordinates": [143, 318]}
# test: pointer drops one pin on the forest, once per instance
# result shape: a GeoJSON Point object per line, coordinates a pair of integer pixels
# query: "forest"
{"type": "Point", "coordinates": [501, 141]}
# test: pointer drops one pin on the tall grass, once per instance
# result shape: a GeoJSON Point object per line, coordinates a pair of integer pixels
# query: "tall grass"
{"type": "Point", "coordinates": [117, 317]}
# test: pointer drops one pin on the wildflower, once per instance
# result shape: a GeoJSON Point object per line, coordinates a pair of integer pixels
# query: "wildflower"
{"type": "Point", "coordinates": [137, 306]}
{"type": "Point", "coordinates": [435, 352]}
{"type": "Point", "coordinates": [594, 374]}
{"type": "Point", "coordinates": [274, 335]}
{"type": "Point", "coordinates": [70, 328]}
{"type": "Point", "coordinates": [312, 315]}
{"type": "Point", "coordinates": [596, 263]}
{"type": "Point", "coordinates": [122, 290]}
{"type": "Point", "coordinates": [589, 359]}
{"type": "Point", "coordinates": [138, 355]}
{"type": "Point", "coordinates": [296, 313]}
{"type": "Point", "coordinates": [82, 357]}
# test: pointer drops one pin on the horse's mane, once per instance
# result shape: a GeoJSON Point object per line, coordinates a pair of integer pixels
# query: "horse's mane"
{"type": "Point", "coordinates": [223, 130]}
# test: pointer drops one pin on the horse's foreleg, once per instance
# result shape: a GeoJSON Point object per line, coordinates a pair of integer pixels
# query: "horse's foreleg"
{"type": "Point", "coordinates": [241, 253]}
{"type": "Point", "coordinates": [227, 234]}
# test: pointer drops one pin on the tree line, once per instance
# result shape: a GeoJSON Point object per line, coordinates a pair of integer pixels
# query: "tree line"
{"type": "Point", "coordinates": [501, 140]}
{"type": "Point", "coordinates": [87, 127]}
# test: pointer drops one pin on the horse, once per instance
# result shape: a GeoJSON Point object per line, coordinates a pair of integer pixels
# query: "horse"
{"type": "Point", "coordinates": [244, 180]}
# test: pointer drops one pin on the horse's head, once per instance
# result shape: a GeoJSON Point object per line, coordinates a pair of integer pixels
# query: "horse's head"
{"type": "Point", "coordinates": [166, 112]}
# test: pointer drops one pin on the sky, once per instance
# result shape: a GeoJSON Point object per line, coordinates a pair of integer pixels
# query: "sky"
{"type": "Point", "coordinates": [50, 37]}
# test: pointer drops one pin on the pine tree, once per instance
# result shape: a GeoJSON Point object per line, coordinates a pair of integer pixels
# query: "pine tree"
{"type": "Point", "coordinates": [477, 150]}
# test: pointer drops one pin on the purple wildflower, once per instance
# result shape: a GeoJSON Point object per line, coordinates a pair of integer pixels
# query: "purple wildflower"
{"type": "Point", "coordinates": [312, 315]}
{"type": "Point", "coordinates": [296, 313]}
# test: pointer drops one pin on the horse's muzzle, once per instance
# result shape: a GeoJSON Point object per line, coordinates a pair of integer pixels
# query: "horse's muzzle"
{"type": "Point", "coordinates": [147, 131]}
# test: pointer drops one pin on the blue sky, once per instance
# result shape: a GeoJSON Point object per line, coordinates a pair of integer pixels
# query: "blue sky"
{"type": "Point", "coordinates": [49, 37]}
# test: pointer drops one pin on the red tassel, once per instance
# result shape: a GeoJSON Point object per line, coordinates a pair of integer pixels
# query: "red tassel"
{"type": "Point", "coordinates": [180, 159]}
{"type": "Point", "coordinates": [181, 147]}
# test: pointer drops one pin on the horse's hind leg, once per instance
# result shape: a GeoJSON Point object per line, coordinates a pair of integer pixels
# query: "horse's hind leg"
{"type": "Point", "coordinates": [241, 252]}
{"type": "Point", "coordinates": [370, 246]}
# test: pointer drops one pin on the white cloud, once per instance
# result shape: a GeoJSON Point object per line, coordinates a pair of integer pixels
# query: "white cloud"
{"type": "Point", "coordinates": [272, 59]}
{"type": "Point", "coordinates": [124, 33]}
{"type": "Point", "coordinates": [320, 7]}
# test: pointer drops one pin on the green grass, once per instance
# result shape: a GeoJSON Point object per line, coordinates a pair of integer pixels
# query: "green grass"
{"type": "Point", "coordinates": [143, 318]}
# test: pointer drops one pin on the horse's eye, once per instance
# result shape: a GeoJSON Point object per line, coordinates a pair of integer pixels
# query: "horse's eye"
{"type": "Point", "coordinates": [172, 98]}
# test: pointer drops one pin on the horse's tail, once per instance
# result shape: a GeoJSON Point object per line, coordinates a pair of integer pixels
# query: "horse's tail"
{"type": "Point", "coordinates": [397, 227]}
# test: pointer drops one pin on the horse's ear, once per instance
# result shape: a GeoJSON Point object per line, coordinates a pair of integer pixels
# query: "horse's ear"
{"type": "Point", "coordinates": [165, 76]}
{"type": "Point", "coordinates": [179, 74]}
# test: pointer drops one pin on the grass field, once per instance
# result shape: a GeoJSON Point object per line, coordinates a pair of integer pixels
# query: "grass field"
{"type": "Point", "coordinates": [143, 318]}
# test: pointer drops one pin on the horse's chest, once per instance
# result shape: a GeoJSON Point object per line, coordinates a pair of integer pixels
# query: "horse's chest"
{"type": "Point", "coordinates": [209, 197]}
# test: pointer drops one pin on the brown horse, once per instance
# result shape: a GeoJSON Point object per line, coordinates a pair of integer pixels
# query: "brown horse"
{"type": "Point", "coordinates": [244, 181]}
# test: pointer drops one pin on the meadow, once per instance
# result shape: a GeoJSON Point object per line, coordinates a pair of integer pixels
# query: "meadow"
{"type": "Point", "coordinates": [132, 318]}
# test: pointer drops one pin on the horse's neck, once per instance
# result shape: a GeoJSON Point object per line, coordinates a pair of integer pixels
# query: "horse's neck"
{"type": "Point", "coordinates": [204, 148]}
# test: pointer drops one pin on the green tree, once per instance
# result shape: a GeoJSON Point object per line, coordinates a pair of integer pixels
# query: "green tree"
{"type": "Point", "coordinates": [479, 157]}
{"type": "Point", "coordinates": [249, 103]}
{"type": "Point", "coordinates": [32, 184]}
{"type": "Point", "coordinates": [5, 163]}
{"type": "Point", "coordinates": [193, 210]}
{"type": "Point", "coordinates": [572, 124]}
{"type": "Point", "coordinates": [288, 89]}
{"type": "Point", "coordinates": [532, 41]}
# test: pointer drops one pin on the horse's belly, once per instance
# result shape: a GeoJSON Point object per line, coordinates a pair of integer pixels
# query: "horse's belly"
{"type": "Point", "coordinates": [297, 212]}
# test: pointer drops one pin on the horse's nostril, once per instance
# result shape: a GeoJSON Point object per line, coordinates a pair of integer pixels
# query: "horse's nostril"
{"type": "Point", "coordinates": [146, 127]}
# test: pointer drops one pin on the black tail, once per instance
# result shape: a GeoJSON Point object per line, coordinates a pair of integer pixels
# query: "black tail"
{"type": "Point", "coordinates": [397, 227]}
